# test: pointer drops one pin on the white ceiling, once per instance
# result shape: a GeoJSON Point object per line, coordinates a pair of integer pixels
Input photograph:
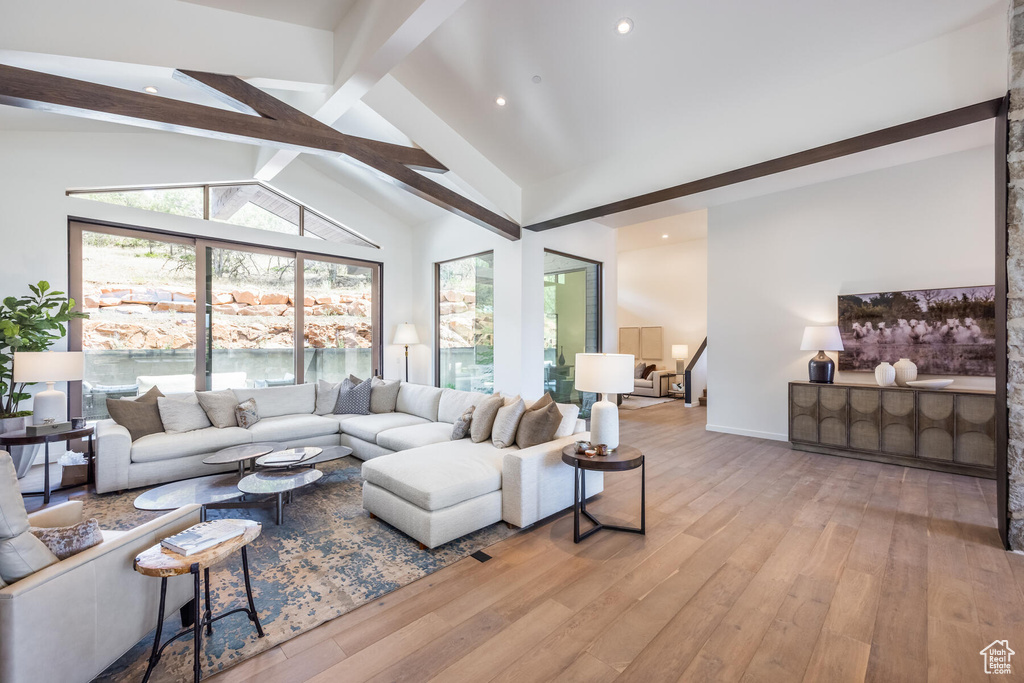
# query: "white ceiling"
{"type": "Point", "coordinates": [322, 14]}
{"type": "Point", "coordinates": [602, 93]}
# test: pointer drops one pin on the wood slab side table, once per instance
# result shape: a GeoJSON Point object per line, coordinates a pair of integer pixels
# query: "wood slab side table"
{"type": "Point", "coordinates": [162, 563]}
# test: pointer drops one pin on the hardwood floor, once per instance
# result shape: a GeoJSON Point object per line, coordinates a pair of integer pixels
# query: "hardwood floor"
{"type": "Point", "coordinates": [760, 563]}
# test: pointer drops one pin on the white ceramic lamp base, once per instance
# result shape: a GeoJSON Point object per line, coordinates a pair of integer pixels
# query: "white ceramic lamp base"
{"type": "Point", "coordinates": [49, 404]}
{"type": "Point", "coordinates": [604, 423]}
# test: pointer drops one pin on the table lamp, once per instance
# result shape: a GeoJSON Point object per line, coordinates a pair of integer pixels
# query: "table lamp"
{"type": "Point", "coordinates": [405, 335]}
{"type": "Point", "coordinates": [821, 369]}
{"type": "Point", "coordinates": [680, 352]}
{"type": "Point", "coordinates": [604, 373]}
{"type": "Point", "coordinates": [50, 367]}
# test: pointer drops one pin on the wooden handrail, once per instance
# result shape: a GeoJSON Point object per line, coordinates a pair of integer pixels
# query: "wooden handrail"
{"type": "Point", "coordinates": [686, 374]}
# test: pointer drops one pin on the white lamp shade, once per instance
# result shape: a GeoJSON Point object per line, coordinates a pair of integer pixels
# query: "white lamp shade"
{"type": "Point", "coordinates": [604, 373]}
{"type": "Point", "coordinates": [48, 366]}
{"type": "Point", "coordinates": [822, 338]}
{"type": "Point", "coordinates": [405, 335]}
{"type": "Point", "coordinates": [680, 351]}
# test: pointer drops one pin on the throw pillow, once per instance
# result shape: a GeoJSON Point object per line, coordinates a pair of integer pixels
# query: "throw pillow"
{"type": "Point", "coordinates": [182, 414]}
{"type": "Point", "coordinates": [506, 422]}
{"type": "Point", "coordinates": [541, 402]}
{"type": "Point", "coordinates": [65, 541]}
{"type": "Point", "coordinates": [570, 413]}
{"type": "Point", "coordinates": [219, 407]}
{"type": "Point", "coordinates": [326, 397]}
{"type": "Point", "coordinates": [140, 416]}
{"type": "Point", "coordinates": [246, 413]}
{"type": "Point", "coordinates": [538, 426]}
{"type": "Point", "coordinates": [460, 430]}
{"type": "Point", "coordinates": [647, 372]}
{"type": "Point", "coordinates": [384, 395]}
{"type": "Point", "coordinates": [638, 371]}
{"type": "Point", "coordinates": [483, 418]}
{"type": "Point", "coordinates": [353, 399]}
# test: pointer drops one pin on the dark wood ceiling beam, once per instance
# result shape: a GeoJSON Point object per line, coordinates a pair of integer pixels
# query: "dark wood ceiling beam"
{"type": "Point", "coordinates": [861, 143]}
{"type": "Point", "coordinates": [34, 90]}
{"type": "Point", "coordinates": [246, 98]}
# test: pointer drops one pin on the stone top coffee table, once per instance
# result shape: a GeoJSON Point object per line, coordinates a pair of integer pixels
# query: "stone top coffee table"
{"type": "Point", "coordinates": [278, 482]}
{"type": "Point", "coordinates": [293, 457]}
{"type": "Point", "coordinates": [241, 454]}
{"type": "Point", "coordinates": [208, 490]}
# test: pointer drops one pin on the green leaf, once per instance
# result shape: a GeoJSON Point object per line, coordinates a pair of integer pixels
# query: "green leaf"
{"type": "Point", "coordinates": [44, 285]}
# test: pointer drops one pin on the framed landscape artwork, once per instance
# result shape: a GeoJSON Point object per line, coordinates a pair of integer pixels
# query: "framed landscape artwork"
{"type": "Point", "coordinates": [944, 331]}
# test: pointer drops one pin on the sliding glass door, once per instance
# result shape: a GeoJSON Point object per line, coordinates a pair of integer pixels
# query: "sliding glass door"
{"type": "Point", "coordinates": [464, 290]}
{"type": "Point", "coordinates": [261, 317]}
{"type": "Point", "coordinates": [572, 322]}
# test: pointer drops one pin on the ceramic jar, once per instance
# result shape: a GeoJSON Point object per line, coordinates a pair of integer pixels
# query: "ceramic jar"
{"type": "Point", "coordinates": [885, 375]}
{"type": "Point", "coordinates": [906, 371]}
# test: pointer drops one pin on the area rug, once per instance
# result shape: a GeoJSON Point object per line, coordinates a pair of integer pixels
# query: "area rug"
{"type": "Point", "coordinates": [638, 402]}
{"type": "Point", "coordinates": [326, 559]}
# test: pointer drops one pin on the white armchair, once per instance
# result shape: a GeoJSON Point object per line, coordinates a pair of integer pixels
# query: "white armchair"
{"type": "Point", "coordinates": [71, 620]}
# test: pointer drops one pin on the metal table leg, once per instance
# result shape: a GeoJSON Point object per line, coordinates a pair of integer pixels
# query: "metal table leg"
{"type": "Point", "coordinates": [154, 656]}
{"type": "Point", "coordinates": [46, 472]}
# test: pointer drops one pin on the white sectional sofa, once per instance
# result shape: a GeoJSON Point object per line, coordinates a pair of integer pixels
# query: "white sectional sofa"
{"type": "Point", "coordinates": [416, 478]}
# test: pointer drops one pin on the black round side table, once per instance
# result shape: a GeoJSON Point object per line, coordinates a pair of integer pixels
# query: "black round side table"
{"type": "Point", "coordinates": [621, 459]}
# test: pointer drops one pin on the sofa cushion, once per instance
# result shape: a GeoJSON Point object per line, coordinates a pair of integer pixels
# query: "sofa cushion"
{"type": "Point", "coordinates": [649, 383]}
{"type": "Point", "coordinates": [367, 427]}
{"type": "Point", "coordinates": [164, 446]}
{"type": "Point", "coordinates": [21, 553]}
{"type": "Point", "coordinates": [419, 400]}
{"type": "Point", "coordinates": [182, 414]}
{"type": "Point", "coordinates": [438, 476]}
{"type": "Point", "coordinates": [290, 427]}
{"type": "Point", "coordinates": [414, 436]}
{"type": "Point", "coordinates": [454, 403]}
{"type": "Point", "coordinates": [287, 400]}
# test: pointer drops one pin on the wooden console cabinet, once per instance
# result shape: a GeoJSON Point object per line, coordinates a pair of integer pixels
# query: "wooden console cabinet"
{"type": "Point", "coordinates": [949, 430]}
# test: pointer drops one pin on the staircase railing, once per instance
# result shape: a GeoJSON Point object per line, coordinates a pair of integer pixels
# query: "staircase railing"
{"type": "Point", "coordinates": [687, 392]}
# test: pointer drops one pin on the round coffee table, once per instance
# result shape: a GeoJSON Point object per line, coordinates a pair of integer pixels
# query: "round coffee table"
{"type": "Point", "coordinates": [241, 454]}
{"type": "Point", "coordinates": [621, 459]}
{"type": "Point", "coordinates": [208, 490]}
{"type": "Point", "coordinates": [329, 453]}
{"type": "Point", "coordinates": [278, 483]}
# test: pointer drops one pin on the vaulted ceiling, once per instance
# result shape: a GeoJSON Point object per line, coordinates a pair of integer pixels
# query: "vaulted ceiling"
{"type": "Point", "coordinates": [696, 88]}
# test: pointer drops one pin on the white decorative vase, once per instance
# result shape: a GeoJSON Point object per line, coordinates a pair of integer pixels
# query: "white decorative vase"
{"type": "Point", "coordinates": [885, 375]}
{"type": "Point", "coordinates": [906, 371]}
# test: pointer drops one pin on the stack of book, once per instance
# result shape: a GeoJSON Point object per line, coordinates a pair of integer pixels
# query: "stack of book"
{"type": "Point", "coordinates": [202, 536]}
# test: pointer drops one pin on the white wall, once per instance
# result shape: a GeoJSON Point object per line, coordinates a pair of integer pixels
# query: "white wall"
{"type": "Point", "coordinates": [39, 167]}
{"type": "Point", "coordinates": [777, 263]}
{"type": "Point", "coordinates": [518, 294]}
{"type": "Point", "coordinates": [666, 287]}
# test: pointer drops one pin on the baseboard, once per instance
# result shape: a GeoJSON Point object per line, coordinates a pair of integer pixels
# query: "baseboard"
{"type": "Point", "coordinates": [747, 432]}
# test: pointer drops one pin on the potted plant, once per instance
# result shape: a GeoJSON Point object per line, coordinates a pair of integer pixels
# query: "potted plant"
{"type": "Point", "coordinates": [28, 323]}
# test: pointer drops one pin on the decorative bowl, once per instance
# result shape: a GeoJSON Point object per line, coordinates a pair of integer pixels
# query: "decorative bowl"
{"type": "Point", "coordinates": [930, 383]}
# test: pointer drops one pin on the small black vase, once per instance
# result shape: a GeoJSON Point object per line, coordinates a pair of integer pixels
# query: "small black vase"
{"type": "Point", "coordinates": [821, 369]}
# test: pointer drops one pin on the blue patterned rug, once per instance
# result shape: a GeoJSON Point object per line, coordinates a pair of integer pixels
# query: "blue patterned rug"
{"type": "Point", "coordinates": [327, 558]}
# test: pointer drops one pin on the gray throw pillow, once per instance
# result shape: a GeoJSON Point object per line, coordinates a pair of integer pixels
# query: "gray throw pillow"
{"type": "Point", "coordinates": [353, 399]}
{"type": "Point", "coordinates": [219, 407]}
{"type": "Point", "coordinates": [246, 413]}
{"type": "Point", "coordinates": [326, 397]}
{"type": "Point", "coordinates": [140, 416]}
{"type": "Point", "coordinates": [638, 370]}
{"type": "Point", "coordinates": [384, 395]}
{"type": "Point", "coordinates": [538, 426]}
{"type": "Point", "coordinates": [65, 541]}
{"type": "Point", "coordinates": [506, 422]}
{"type": "Point", "coordinates": [483, 418]}
{"type": "Point", "coordinates": [182, 414]}
{"type": "Point", "coordinates": [460, 430]}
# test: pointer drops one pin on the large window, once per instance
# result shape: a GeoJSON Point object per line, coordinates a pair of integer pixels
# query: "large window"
{"type": "Point", "coordinates": [154, 300]}
{"type": "Point", "coordinates": [572, 323]}
{"type": "Point", "coordinates": [251, 204]}
{"type": "Point", "coordinates": [465, 323]}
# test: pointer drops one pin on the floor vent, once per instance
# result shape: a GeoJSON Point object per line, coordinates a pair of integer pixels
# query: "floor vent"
{"type": "Point", "coordinates": [481, 556]}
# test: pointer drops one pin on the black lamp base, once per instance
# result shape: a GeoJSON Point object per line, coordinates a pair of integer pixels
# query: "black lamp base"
{"type": "Point", "coordinates": [821, 369]}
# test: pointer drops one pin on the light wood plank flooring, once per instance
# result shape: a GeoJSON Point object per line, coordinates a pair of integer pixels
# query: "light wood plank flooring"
{"type": "Point", "coordinates": [760, 564]}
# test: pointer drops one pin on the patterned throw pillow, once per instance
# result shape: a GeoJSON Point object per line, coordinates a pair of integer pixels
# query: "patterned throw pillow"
{"type": "Point", "coordinates": [460, 430]}
{"type": "Point", "coordinates": [246, 413]}
{"type": "Point", "coordinates": [353, 399]}
{"type": "Point", "coordinates": [65, 541]}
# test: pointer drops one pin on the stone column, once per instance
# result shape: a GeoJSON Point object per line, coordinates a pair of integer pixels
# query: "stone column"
{"type": "Point", "coordinates": [1015, 276]}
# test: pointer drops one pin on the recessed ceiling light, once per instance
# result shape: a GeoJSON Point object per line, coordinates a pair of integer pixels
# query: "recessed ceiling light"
{"type": "Point", "coordinates": [664, 237]}
{"type": "Point", "coordinates": [151, 90]}
{"type": "Point", "coordinates": [624, 26]}
{"type": "Point", "coordinates": [500, 101]}
{"type": "Point", "coordinates": [536, 79]}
